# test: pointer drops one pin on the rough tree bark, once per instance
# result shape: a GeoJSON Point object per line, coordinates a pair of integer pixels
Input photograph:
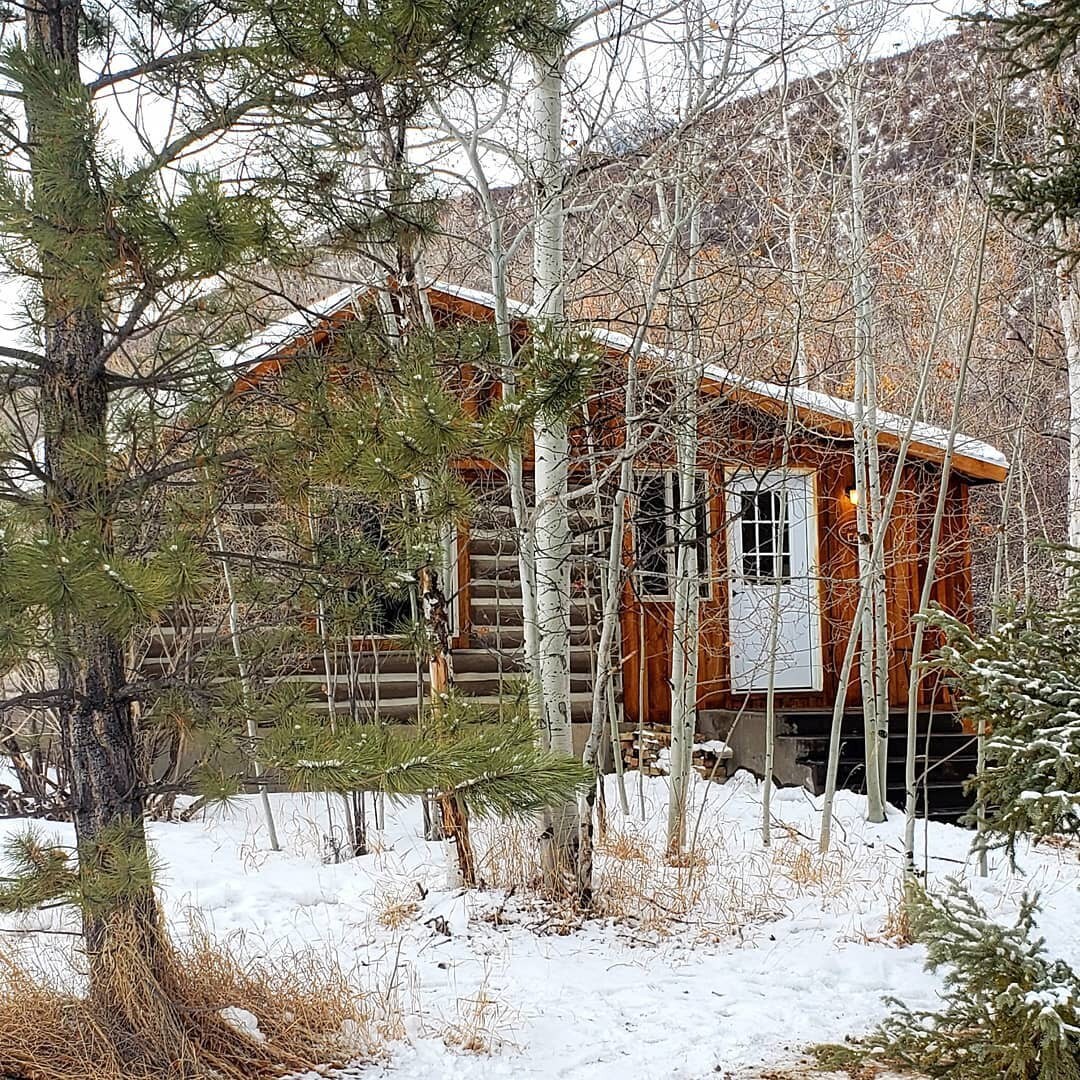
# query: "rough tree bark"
{"type": "Point", "coordinates": [455, 822]}
{"type": "Point", "coordinates": [97, 729]}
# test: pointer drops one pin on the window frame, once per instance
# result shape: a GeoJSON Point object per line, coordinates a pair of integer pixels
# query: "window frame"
{"type": "Point", "coordinates": [706, 585]}
{"type": "Point", "coordinates": [776, 554]}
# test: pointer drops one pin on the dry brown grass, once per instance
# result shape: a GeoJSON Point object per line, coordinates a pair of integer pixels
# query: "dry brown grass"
{"type": "Point", "coordinates": [507, 855]}
{"type": "Point", "coordinates": [477, 1028]}
{"type": "Point", "coordinates": [723, 884]}
{"type": "Point", "coordinates": [810, 870]}
{"type": "Point", "coordinates": [481, 1023]}
{"type": "Point", "coordinates": [896, 928]}
{"type": "Point", "coordinates": [618, 844]}
{"type": "Point", "coordinates": [396, 908]}
{"type": "Point", "coordinates": [168, 1023]}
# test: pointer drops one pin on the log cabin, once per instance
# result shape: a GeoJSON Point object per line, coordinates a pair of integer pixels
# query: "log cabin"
{"type": "Point", "coordinates": [777, 538]}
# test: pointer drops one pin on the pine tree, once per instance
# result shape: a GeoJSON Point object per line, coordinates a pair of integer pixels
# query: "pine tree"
{"type": "Point", "coordinates": [1007, 1008]}
{"type": "Point", "coordinates": [136, 260]}
{"type": "Point", "coordinates": [386, 420]}
{"type": "Point", "coordinates": [1021, 683]}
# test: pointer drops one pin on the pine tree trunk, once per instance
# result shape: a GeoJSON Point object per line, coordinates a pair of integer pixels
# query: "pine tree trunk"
{"type": "Point", "coordinates": [97, 730]}
{"type": "Point", "coordinates": [455, 821]}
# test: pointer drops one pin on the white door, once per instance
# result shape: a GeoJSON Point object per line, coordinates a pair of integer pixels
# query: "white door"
{"type": "Point", "coordinates": [772, 550]}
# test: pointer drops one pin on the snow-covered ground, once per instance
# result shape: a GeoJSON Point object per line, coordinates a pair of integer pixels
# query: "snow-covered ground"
{"type": "Point", "coordinates": [741, 959]}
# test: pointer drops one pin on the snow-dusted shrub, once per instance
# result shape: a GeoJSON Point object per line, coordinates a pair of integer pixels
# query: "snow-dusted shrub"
{"type": "Point", "coordinates": [1021, 683]}
{"type": "Point", "coordinates": [1008, 1010]}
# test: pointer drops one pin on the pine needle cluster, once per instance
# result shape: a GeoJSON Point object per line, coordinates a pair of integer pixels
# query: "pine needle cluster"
{"type": "Point", "coordinates": [1021, 684]}
{"type": "Point", "coordinates": [1040, 187]}
{"type": "Point", "coordinates": [111, 867]}
{"type": "Point", "coordinates": [496, 769]}
{"type": "Point", "coordinates": [1008, 1009]}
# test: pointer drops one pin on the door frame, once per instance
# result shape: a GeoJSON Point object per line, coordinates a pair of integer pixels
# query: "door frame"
{"type": "Point", "coordinates": [813, 573]}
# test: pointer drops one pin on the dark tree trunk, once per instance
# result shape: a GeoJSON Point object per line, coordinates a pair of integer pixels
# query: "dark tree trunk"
{"type": "Point", "coordinates": [96, 724]}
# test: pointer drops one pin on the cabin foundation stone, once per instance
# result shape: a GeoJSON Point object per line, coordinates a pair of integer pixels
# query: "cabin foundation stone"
{"type": "Point", "coordinates": [744, 733]}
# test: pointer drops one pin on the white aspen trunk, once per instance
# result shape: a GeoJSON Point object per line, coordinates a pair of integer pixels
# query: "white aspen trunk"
{"type": "Point", "coordinates": [687, 585]}
{"type": "Point", "coordinates": [684, 645]}
{"type": "Point", "coordinates": [552, 446]}
{"type": "Point", "coordinates": [515, 473]}
{"type": "Point", "coordinates": [914, 677]}
{"type": "Point", "coordinates": [877, 519]}
{"type": "Point", "coordinates": [1067, 278]}
{"type": "Point", "coordinates": [774, 631]}
{"type": "Point", "coordinates": [882, 641]}
{"type": "Point", "coordinates": [245, 685]}
{"type": "Point", "coordinates": [865, 454]}
{"type": "Point", "coordinates": [1060, 98]}
{"type": "Point", "coordinates": [611, 592]}
{"type": "Point", "coordinates": [879, 540]}
{"type": "Point", "coordinates": [604, 718]}
{"type": "Point", "coordinates": [551, 449]}
{"type": "Point", "coordinates": [1025, 528]}
{"type": "Point", "coordinates": [800, 373]}
{"type": "Point", "coordinates": [329, 669]}
{"type": "Point", "coordinates": [603, 706]}
{"type": "Point", "coordinates": [800, 367]}
{"type": "Point", "coordinates": [1001, 547]}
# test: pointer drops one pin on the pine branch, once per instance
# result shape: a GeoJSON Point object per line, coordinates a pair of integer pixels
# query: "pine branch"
{"type": "Point", "coordinates": [193, 58]}
{"type": "Point", "coordinates": [38, 699]}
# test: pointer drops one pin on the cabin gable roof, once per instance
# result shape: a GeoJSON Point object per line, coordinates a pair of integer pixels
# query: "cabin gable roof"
{"type": "Point", "coordinates": [976, 460]}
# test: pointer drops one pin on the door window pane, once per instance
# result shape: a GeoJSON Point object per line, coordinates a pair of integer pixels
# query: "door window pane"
{"type": "Point", "coordinates": [766, 536]}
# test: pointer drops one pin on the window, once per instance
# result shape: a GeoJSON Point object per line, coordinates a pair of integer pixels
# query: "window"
{"type": "Point", "coordinates": [374, 583]}
{"type": "Point", "coordinates": [764, 522]}
{"type": "Point", "coordinates": [656, 524]}
{"type": "Point", "coordinates": [369, 574]}
{"type": "Point", "coordinates": [653, 542]}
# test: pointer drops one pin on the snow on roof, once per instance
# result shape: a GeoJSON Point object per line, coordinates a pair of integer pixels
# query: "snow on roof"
{"type": "Point", "coordinates": [518, 308]}
{"type": "Point", "coordinates": [810, 405]}
{"type": "Point", "coordinates": [284, 331]}
{"type": "Point", "coordinates": [803, 399]}
{"type": "Point", "coordinates": [888, 423]}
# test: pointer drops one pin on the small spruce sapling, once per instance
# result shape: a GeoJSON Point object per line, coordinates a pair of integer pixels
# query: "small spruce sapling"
{"type": "Point", "coordinates": [1008, 1010]}
{"type": "Point", "coordinates": [1021, 683]}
